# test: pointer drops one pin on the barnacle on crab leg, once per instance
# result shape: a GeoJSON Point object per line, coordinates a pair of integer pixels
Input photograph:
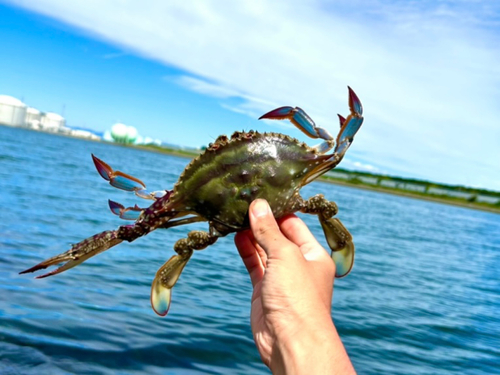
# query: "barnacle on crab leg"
{"type": "Point", "coordinates": [124, 181]}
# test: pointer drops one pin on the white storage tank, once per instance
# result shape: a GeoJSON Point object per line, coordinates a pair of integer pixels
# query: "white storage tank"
{"type": "Point", "coordinates": [12, 111]}
{"type": "Point", "coordinates": [33, 117]}
{"type": "Point", "coordinates": [52, 121]}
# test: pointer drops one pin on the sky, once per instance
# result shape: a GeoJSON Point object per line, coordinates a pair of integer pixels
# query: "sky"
{"type": "Point", "coordinates": [427, 73]}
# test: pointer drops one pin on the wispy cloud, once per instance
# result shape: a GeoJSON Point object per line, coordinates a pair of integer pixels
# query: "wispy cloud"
{"type": "Point", "coordinates": [207, 88]}
{"type": "Point", "coordinates": [427, 71]}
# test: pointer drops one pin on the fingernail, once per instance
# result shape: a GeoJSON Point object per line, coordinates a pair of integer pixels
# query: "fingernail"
{"type": "Point", "coordinates": [260, 208]}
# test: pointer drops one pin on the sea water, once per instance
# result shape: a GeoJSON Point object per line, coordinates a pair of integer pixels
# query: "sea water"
{"type": "Point", "coordinates": [423, 297]}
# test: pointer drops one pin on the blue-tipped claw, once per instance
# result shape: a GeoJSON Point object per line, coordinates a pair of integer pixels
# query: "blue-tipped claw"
{"type": "Point", "coordinates": [354, 103]}
{"type": "Point", "coordinates": [341, 120]}
{"type": "Point", "coordinates": [104, 169]}
{"type": "Point", "coordinates": [117, 179]}
{"type": "Point", "coordinates": [280, 113]}
{"type": "Point", "coordinates": [300, 119]}
{"type": "Point", "coordinates": [130, 213]}
{"type": "Point", "coordinates": [350, 125]}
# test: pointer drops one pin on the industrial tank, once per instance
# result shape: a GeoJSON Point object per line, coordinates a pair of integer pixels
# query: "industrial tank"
{"type": "Point", "coordinates": [33, 117]}
{"type": "Point", "coordinates": [122, 133]}
{"type": "Point", "coordinates": [52, 121]}
{"type": "Point", "coordinates": [12, 111]}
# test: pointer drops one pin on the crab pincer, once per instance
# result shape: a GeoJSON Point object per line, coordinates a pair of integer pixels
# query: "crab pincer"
{"type": "Point", "coordinates": [350, 125]}
{"type": "Point", "coordinates": [117, 179]}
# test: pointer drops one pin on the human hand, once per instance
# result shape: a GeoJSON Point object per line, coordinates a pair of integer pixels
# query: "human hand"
{"type": "Point", "coordinates": [292, 276]}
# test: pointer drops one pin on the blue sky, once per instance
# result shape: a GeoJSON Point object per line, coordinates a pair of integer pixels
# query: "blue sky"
{"type": "Point", "coordinates": [427, 72]}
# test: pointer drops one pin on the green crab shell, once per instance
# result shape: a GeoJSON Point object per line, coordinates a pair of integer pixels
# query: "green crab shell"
{"type": "Point", "coordinates": [222, 182]}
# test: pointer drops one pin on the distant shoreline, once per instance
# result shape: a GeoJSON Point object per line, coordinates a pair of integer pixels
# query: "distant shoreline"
{"type": "Point", "coordinates": [450, 202]}
{"type": "Point", "coordinates": [191, 155]}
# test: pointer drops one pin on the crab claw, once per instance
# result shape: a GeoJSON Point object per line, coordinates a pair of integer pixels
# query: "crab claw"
{"type": "Point", "coordinates": [118, 179]}
{"type": "Point", "coordinates": [164, 281]}
{"type": "Point", "coordinates": [340, 242]}
{"type": "Point", "coordinates": [130, 213]}
{"type": "Point", "coordinates": [300, 119]}
{"type": "Point", "coordinates": [350, 125]}
{"type": "Point", "coordinates": [354, 103]}
{"type": "Point", "coordinates": [341, 120]}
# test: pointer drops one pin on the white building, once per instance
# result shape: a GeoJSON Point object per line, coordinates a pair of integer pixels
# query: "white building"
{"type": "Point", "coordinates": [488, 199]}
{"type": "Point", "coordinates": [337, 174]}
{"type": "Point", "coordinates": [368, 180]}
{"type": "Point", "coordinates": [12, 111]}
{"type": "Point", "coordinates": [414, 187]}
{"type": "Point", "coordinates": [84, 134]}
{"type": "Point", "coordinates": [449, 193]}
{"type": "Point", "coordinates": [389, 183]}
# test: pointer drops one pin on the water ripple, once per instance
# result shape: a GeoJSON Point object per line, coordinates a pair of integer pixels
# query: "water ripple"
{"type": "Point", "coordinates": [422, 297]}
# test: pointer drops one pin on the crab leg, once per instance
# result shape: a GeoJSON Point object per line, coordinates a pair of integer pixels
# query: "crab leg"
{"type": "Point", "coordinates": [337, 236]}
{"type": "Point", "coordinates": [188, 220]}
{"type": "Point", "coordinates": [79, 252]}
{"type": "Point", "coordinates": [124, 181]}
{"type": "Point", "coordinates": [348, 126]}
{"type": "Point", "coordinates": [99, 243]}
{"type": "Point", "coordinates": [168, 274]}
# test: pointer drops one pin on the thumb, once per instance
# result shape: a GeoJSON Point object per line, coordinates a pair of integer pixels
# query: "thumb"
{"type": "Point", "coordinates": [266, 231]}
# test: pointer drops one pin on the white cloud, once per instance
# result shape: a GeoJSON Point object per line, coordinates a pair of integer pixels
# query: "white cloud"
{"type": "Point", "coordinates": [427, 72]}
{"type": "Point", "coordinates": [207, 88]}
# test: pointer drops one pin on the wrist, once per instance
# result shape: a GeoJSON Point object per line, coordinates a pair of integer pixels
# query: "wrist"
{"type": "Point", "coordinates": [311, 350]}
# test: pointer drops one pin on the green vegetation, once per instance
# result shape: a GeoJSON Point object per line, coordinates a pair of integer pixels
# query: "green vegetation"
{"type": "Point", "coordinates": [189, 153]}
{"type": "Point", "coordinates": [427, 184]}
{"type": "Point", "coordinates": [477, 198]}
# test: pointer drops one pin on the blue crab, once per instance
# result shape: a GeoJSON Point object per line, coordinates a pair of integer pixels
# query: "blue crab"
{"type": "Point", "coordinates": [218, 187]}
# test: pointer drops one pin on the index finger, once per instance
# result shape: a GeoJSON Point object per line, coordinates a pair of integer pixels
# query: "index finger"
{"type": "Point", "coordinates": [297, 232]}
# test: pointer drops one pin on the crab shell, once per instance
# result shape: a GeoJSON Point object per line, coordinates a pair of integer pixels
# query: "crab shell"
{"type": "Point", "coordinates": [222, 182]}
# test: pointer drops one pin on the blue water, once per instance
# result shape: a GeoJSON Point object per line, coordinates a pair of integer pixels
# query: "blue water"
{"type": "Point", "coordinates": [423, 297]}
